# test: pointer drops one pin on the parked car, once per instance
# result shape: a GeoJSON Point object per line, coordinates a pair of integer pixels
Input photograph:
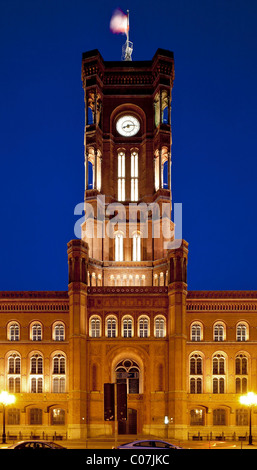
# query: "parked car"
{"type": "Point", "coordinates": [149, 444]}
{"type": "Point", "coordinates": [36, 444]}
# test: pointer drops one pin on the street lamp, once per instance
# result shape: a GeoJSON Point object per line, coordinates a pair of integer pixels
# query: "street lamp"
{"type": "Point", "coordinates": [249, 400]}
{"type": "Point", "coordinates": [5, 399]}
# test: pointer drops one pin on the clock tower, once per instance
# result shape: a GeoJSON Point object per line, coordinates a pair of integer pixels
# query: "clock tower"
{"type": "Point", "coordinates": [128, 168]}
{"type": "Point", "coordinates": [127, 279]}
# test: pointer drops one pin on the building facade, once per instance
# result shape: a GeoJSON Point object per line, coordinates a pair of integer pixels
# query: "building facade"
{"type": "Point", "coordinates": [127, 315]}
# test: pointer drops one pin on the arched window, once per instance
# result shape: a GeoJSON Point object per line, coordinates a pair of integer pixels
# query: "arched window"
{"type": "Point", "coordinates": [196, 332]}
{"type": "Point", "coordinates": [95, 327]}
{"type": "Point", "coordinates": [118, 240]}
{"type": "Point", "coordinates": [241, 332]}
{"type": "Point", "coordinates": [59, 364]}
{"type": "Point", "coordinates": [111, 327]}
{"type": "Point", "coordinates": [121, 176]}
{"type": "Point", "coordinates": [127, 327]}
{"type": "Point", "coordinates": [59, 332]}
{"type": "Point", "coordinates": [36, 332]}
{"type": "Point", "coordinates": [219, 332]}
{"type": "Point", "coordinates": [127, 372]}
{"type": "Point", "coordinates": [14, 373]}
{"type": "Point", "coordinates": [195, 373]}
{"type": "Point", "coordinates": [136, 247]}
{"type": "Point", "coordinates": [197, 417]}
{"type": "Point", "coordinates": [58, 374]}
{"type": "Point", "coordinates": [218, 371]}
{"type": "Point", "coordinates": [14, 332]}
{"type": "Point", "coordinates": [159, 327]}
{"type": "Point", "coordinates": [36, 374]}
{"type": "Point", "coordinates": [241, 372]}
{"type": "Point", "coordinates": [143, 327]}
{"type": "Point", "coordinates": [134, 176]}
{"type": "Point", "coordinates": [57, 417]}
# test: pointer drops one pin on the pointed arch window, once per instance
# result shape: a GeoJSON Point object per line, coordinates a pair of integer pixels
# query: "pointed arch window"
{"type": "Point", "coordinates": [134, 176]}
{"type": "Point", "coordinates": [121, 176]}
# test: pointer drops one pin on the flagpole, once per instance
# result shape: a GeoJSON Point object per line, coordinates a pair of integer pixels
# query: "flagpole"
{"type": "Point", "coordinates": [128, 26]}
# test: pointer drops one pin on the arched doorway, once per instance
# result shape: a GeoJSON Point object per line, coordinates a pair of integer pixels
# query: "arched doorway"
{"type": "Point", "coordinates": [128, 372]}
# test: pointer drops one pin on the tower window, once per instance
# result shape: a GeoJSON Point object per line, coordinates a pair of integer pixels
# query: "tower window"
{"type": "Point", "coordinates": [134, 176]}
{"type": "Point", "coordinates": [136, 254]}
{"type": "Point", "coordinates": [121, 176]}
{"type": "Point", "coordinates": [118, 246]}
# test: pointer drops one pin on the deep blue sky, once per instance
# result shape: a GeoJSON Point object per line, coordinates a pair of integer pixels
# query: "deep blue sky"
{"type": "Point", "coordinates": [214, 124]}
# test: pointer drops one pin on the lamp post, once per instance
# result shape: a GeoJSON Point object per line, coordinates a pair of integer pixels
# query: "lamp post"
{"type": "Point", "coordinates": [5, 399]}
{"type": "Point", "coordinates": [249, 400]}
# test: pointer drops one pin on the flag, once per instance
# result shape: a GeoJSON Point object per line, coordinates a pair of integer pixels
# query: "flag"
{"type": "Point", "coordinates": [119, 22]}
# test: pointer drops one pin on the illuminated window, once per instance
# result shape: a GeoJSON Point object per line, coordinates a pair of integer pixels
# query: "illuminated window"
{"type": "Point", "coordinates": [136, 247]}
{"type": "Point", "coordinates": [143, 327]}
{"type": "Point", "coordinates": [14, 371]}
{"type": "Point", "coordinates": [59, 332]}
{"type": "Point", "coordinates": [219, 332]}
{"type": "Point", "coordinates": [36, 332]}
{"type": "Point", "coordinates": [111, 327]}
{"type": "Point", "coordinates": [14, 364]}
{"type": "Point", "coordinates": [196, 417]}
{"type": "Point", "coordinates": [196, 373]}
{"type": "Point", "coordinates": [241, 332]}
{"type": "Point", "coordinates": [196, 331]}
{"type": "Point", "coordinates": [241, 369]}
{"type": "Point", "coordinates": [218, 370]}
{"type": "Point", "coordinates": [14, 332]}
{"type": "Point", "coordinates": [134, 176]}
{"type": "Point", "coordinates": [95, 327]}
{"type": "Point", "coordinates": [36, 385]}
{"type": "Point", "coordinates": [159, 327]}
{"type": "Point", "coordinates": [118, 240]}
{"type": "Point", "coordinates": [127, 326]}
{"type": "Point", "coordinates": [57, 416]}
{"type": "Point", "coordinates": [121, 176]}
{"type": "Point", "coordinates": [59, 364]}
{"type": "Point", "coordinates": [36, 364]}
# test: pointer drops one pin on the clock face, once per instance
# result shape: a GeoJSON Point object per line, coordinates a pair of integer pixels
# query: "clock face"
{"type": "Point", "coordinates": [128, 126]}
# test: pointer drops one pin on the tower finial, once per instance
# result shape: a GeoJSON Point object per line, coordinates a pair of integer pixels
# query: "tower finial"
{"type": "Point", "coordinates": [120, 24]}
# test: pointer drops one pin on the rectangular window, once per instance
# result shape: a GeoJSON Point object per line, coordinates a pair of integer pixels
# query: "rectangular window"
{"type": "Point", "coordinates": [121, 176]}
